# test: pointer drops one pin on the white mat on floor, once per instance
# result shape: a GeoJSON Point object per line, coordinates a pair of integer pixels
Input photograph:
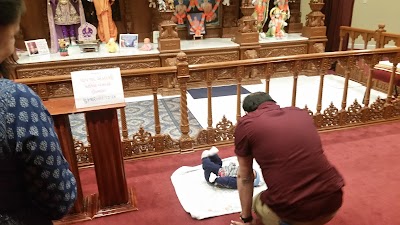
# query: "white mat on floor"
{"type": "Point", "coordinates": [202, 200]}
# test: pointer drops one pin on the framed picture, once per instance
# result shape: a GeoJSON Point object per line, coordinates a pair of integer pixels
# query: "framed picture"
{"type": "Point", "coordinates": [211, 8]}
{"type": "Point", "coordinates": [37, 47]}
{"type": "Point", "coordinates": [128, 40]}
{"type": "Point", "coordinates": [196, 24]}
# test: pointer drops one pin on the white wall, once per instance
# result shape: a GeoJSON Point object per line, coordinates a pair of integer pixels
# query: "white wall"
{"type": "Point", "coordinates": [367, 14]}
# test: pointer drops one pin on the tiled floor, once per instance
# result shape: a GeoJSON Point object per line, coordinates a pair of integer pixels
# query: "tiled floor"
{"type": "Point", "coordinates": [281, 91]}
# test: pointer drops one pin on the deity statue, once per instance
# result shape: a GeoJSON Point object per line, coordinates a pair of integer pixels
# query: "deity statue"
{"type": "Point", "coordinates": [106, 28]}
{"type": "Point", "coordinates": [279, 14]}
{"type": "Point", "coordinates": [194, 4]}
{"type": "Point", "coordinates": [180, 13]}
{"type": "Point", "coordinates": [63, 19]}
{"type": "Point", "coordinates": [209, 10]}
{"type": "Point", "coordinates": [261, 13]}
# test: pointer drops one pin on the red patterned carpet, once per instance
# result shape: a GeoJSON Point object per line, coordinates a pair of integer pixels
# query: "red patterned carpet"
{"type": "Point", "coordinates": [368, 157]}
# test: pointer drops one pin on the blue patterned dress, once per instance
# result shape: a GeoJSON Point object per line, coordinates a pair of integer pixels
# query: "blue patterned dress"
{"type": "Point", "coordinates": [36, 185]}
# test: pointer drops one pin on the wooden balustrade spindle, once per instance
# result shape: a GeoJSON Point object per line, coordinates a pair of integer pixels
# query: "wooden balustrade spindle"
{"type": "Point", "coordinates": [295, 78]}
{"type": "Point", "coordinates": [87, 132]}
{"type": "Point", "coordinates": [353, 40]}
{"type": "Point", "coordinates": [320, 92]}
{"type": "Point", "coordinates": [369, 85]}
{"type": "Point", "coordinates": [210, 75]}
{"type": "Point", "coordinates": [157, 125]}
{"type": "Point", "coordinates": [378, 36]}
{"type": "Point", "coordinates": [183, 77]}
{"type": "Point", "coordinates": [269, 70]}
{"type": "Point", "coordinates": [342, 34]}
{"type": "Point", "coordinates": [391, 83]}
{"type": "Point", "coordinates": [209, 109]}
{"type": "Point", "coordinates": [345, 90]}
{"type": "Point", "coordinates": [239, 74]}
{"type": "Point", "coordinates": [365, 38]}
{"type": "Point", "coordinates": [124, 125]}
{"type": "Point", "coordinates": [158, 138]}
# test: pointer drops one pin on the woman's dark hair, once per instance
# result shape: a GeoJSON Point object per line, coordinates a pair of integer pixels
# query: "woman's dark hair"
{"type": "Point", "coordinates": [10, 13]}
{"type": "Point", "coordinates": [252, 101]}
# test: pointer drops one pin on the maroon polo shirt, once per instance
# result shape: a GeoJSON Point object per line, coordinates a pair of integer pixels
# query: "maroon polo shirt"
{"type": "Point", "coordinates": [302, 184]}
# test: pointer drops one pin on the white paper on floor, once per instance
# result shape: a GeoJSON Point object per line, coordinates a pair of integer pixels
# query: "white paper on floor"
{"type": "Point", "coordinates": [202, 200]}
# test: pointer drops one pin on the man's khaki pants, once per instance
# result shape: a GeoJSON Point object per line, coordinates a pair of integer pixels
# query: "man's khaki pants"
{"type": "Point", "coordinates": [268, 217]}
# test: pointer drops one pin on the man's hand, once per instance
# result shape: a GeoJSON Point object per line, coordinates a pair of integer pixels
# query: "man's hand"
{"type": "Point", "coordinates": [241, 223]}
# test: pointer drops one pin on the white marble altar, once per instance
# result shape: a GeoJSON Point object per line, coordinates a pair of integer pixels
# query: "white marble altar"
{"type": "Point", "coordinates": [208, 43]}
{"type": "Point", "coordinates": [75, 53]}
{"type": "Point", "coordinates": [186, 45]}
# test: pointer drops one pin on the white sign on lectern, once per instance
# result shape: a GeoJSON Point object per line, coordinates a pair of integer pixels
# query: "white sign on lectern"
{"type": "Point", "coordinates": [97, 87]}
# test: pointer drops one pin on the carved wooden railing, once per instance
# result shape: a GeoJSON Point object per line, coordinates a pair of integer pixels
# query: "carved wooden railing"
{"type": "Point", "coordinates": [360, 72]}
{"type": "Point", "coordinates": [387, 37]}
{"type": "Point", "coordinates": [144, 144]}
{"type": "Point", "coordinates": [367, 35]}
{"type": "Point", "coordinates": [380, 36]}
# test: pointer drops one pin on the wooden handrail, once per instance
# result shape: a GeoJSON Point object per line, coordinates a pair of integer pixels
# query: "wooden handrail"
{"type": "Point", "coordinates": [387, 37]}
{"type": "Point", "coordinates": [360, 30]}
{"type": "Point", "coordinates": [367, 35]}
{"type": "Point", "coordinates": [124, 73]}
{"type": "Point", "coordinates": [250, 62]}
{"type": "Point", "coordinates": [219, 65]}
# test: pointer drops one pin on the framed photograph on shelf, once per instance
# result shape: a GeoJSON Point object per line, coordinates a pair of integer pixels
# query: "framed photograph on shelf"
{"type": "Point", "coordinates": [196, 25]}
{"type": "Point", "coordinates": [37, 47]}
{"type": "Point", "coordinates": [128, 40]}
{"type": "Point", "coordinates": [211, 8]}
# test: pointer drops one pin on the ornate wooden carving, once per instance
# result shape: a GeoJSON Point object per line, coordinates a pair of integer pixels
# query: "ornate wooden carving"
{"type": "Point", "coordinates": [282, 51]}
{"type": "Point", "coordinates": [330, 116]}
{"type": "Point", "coordinates": [377, 109]}
{"type": "Point", "coordinates": [212, 57]}
{"type": "Point", "coordinates": [143, 142]}
{"type": "Point", "coordinates": [224, 73]}
{"type": "Point", "coordinates": [295, 25]}
{"type": "Point", "coordinates": [168, 40]}
{"type": "Point", "coordinates": [315, 21]}
{"type": "Point", "coordinates": [354, 113]}
{"type": "Point", "coordinates": [247, 31]}
{"type": "Point", "coordinates": [224, 130]}
{"type": "Point", "coordinates": [65, 68]}
{"type": "Point", "coordinates": [60, 90]}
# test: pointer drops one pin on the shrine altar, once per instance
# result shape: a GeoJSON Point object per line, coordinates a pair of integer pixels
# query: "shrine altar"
{"type": "Point", "coordinates": [198, 52]}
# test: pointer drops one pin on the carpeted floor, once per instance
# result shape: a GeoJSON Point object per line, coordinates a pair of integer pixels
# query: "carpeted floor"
{"type": "Point", "coordinates": [367, 157]}
{"type": "Point", "coordinates": [141, 113]}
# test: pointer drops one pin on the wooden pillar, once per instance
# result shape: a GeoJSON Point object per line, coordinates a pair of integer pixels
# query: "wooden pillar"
{"type": "Point", "coordinates": [182, 64]}
{"type": "Point", "coordinates": [114, 196]}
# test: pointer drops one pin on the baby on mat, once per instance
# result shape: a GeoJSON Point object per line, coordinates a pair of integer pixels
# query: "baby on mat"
{"type": "Point", "coordinates": [222, 175]}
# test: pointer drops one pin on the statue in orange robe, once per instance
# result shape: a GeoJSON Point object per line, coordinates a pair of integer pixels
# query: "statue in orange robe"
{"type": "Point", "coordinates": [106, 28]}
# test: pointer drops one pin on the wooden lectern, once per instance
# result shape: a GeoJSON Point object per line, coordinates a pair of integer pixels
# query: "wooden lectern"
{"type": "Point", "coordinates": [105, 140]}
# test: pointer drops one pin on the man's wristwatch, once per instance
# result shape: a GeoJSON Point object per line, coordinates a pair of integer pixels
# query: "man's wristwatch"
{"type": "Point", "coordinates": [247, 219]}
